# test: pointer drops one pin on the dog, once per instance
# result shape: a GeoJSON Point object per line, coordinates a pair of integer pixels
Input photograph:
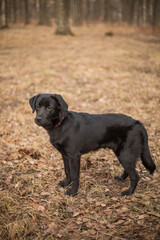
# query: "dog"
{"type": "Point", "coordinates": [76, 133]}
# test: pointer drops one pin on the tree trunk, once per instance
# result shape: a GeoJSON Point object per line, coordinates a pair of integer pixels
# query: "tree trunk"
{"type": "Point", "coordinates": [4, 13]}
{"type": "Point", "coordinates": [132, 10]}
{"type": "Point", "coordinates": [106, 10]}
{"type": "Point", "coordinates": [20, 11]}
{"type": "Point", "coordinates": [14, 11]}
{"type": "Point", "coordinates": [47, 13]}
{"type": "Point", "coordinates": [149, 11]}
{"type": "Point", "coordinates": [138, 12]}
{"type": "Point", "coordinates": [40, 13]}
{"type": "Point", "coordinates": [0, 13]}
{"type": "Point", "coordinates": [43, 12]}
{"type": "Point", "coordinates": [62, 18]}
{"type": "Point", "coordinates": [87, 11]}
{"type": "Point", "coordinates": [124, 10]}
{"type": "Point", "coordinates": [155, 6]}
{"type": "Point", "coordinates": [26, 9]}
{"type": "Point", "coordinates": [77, 12]}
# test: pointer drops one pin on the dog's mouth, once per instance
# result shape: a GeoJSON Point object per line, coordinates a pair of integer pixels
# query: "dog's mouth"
{"type": "Point", "coordinates": [42, 123]}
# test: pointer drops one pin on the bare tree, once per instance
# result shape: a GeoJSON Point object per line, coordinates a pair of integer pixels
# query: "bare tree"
{"type": "Point", "coordinates": [106, 10]}
{"type": "Point", "coordinates": [14, 4]}
{"type": "Point", "coordinates": [43, 12]}
{"type": "Point", "coordinates": [4, 13]}
{"type": "Point", "coordinates": [0, 13]}
{"type": "Point", "coordinates": [26, 8]}
{"type": "Point", "coordinates": [138, 12]}
{"type": "Point", "coordinates": [149, 11]}
{"type": "Point", "coordinates": [77, 12]}
{"type": "Point", "coordinates": [155, 13]}
{"type": "Point", "coordinates": [62, 17]}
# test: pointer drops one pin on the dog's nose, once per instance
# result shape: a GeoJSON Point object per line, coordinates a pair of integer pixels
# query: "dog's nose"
{"type": "Point", "coordinates": [38, 119]}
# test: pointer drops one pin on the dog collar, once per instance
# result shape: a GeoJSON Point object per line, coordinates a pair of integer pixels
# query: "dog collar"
{"type": "Point", "coordinates": [58, 123]}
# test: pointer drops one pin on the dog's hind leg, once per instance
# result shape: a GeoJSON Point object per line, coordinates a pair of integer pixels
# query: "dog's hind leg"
{"type": "Point", "coordinates": [128, 162]}
{"type": "Point", "coordinates": [134, 178]}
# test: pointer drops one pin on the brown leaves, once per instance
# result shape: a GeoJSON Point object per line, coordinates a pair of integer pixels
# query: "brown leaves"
{"type": "Point", "coordinates": [30, 152]}
{"type": "Point", "coordinates": [37, 207]}
{"type": "Point", "coordinates": [45, 194]}
{"type": "Point", "coordinates": [52, 229]}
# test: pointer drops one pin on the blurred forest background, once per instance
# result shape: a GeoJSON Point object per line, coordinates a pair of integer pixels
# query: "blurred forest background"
{"type": "Point", "coordinates": [134, 12]}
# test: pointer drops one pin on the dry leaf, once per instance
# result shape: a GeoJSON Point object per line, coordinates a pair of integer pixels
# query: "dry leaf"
{"type": "Point", "coordinates": [92, 231]}
{"type": "Point", "coordinates": [111, 225]}
{"type": "Point", "coordinates": [45, 194]}
{"type": "Point", "coordinates": [38, 207]}
{"type": "Point", "coordinates": [75, 214]}
{"type": "Point", "coordinates": [124, 209]}
{"type": "Point", "coordinates": [52, 228]}
{"type": "Point", "coordinates": [14, 156]}
{"type": "Point", "coordinates": [24, 192]}
{"type": "Point", "coordinates": [85, 220]}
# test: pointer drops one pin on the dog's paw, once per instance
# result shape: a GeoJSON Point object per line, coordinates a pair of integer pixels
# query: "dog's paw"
{"type": "Point", "coordinates": [61, 184]}
{"type": "Point", "coordinates": [126, 193]}
{"type": "Point", "coordinates": [64, 183]}
{"type": "Point", "coordinates": [119, 178]}
{"type": "Point", "coordinates": [70, 193]}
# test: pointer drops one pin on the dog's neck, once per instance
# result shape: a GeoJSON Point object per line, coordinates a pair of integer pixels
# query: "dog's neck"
{"type": "Point", "coordinates": [55, 124]}
{"type": "Point", "coordinates": [59, 123]}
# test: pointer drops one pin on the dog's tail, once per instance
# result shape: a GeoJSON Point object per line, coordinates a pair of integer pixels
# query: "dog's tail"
{"type": "Point", "coordinates": [145, 155]}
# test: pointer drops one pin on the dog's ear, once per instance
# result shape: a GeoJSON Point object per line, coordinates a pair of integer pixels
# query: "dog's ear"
{"type": "Point", "coordinates": [32, 102]}
{"type": "Point", "coordinates": [62, 105]}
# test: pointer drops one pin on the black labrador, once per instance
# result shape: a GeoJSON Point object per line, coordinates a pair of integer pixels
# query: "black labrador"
{"type": "Point", "coordinates": [75, 133]}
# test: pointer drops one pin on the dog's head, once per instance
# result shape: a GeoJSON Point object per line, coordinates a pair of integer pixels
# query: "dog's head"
{"type": "Point", "coordinates": [50, 108]}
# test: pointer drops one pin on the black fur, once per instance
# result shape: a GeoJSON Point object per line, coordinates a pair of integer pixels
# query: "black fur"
{"type": "Point", "coordinates": [74, 134]}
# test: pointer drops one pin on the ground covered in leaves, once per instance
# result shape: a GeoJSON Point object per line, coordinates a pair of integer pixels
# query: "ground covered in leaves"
{"type": "Point", "coordinates": [94, 73]}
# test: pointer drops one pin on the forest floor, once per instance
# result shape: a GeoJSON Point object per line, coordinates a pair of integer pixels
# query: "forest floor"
{"type": "Point", "coordinates": [96, 74]}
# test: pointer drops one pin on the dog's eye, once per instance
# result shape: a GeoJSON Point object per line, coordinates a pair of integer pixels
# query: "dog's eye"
{"type": "Point", "coordinates": [38, 107]}
{"type": "Point", "coordinates": [49, 108]}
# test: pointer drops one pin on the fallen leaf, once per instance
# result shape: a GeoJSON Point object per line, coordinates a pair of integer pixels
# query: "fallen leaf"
{"type": "Point", "coordinates": [24, 192]}
{"type": "Point", "coordinates": [75, 214]}
{"type": "Point", "coordinates": [52, 228]}
{"type": "Point", "coordinates": [85, 220]}
{"type": "Point", "coordinates": [107, 190]}
{"type": "Point", "coordinates": [38, 207]}
{"type": "Point", "coordinates": [45, 194]}
{"type": "Point", "coordinates": [92, 232]}
{"type": "Point", "coordinates": [141, 216]}
{"type": "Point", "coordinates": [111, 225]}
{"type": "Point", "coordinates": [124, 209]}
{"type": "Point", "coordinates": [14, 156]}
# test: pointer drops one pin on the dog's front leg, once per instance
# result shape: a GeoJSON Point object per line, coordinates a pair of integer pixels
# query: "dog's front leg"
{"type": "Point", "coordinates": [74, 166]}
{"type": "Point", "coordinates": [67, 180]}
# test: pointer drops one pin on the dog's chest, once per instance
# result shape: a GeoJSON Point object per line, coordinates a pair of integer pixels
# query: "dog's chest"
{"type": "Point", "coordinates": [57, 142]}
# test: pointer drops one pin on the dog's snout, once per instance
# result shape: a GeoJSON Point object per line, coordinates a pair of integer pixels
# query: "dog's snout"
{"type": "Point", "coordinates": [39, 119]}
